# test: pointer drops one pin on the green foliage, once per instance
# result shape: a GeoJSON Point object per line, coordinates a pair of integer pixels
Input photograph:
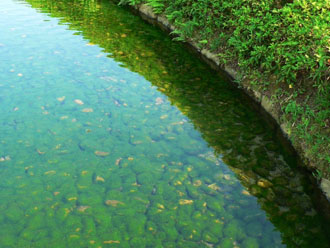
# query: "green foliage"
{"type": "Point", "coordinates": [317, 174]}
{"type": "Point", "coordinates": [130, 2]}
{"type": "Point", "coordinates": [185, 31]}
{"type": "Point", "coordinates": [290, 40]}
{"type": "Point", "coordinates": [157, 5]}
{"type": "Point", "coordinates": [294, 109]}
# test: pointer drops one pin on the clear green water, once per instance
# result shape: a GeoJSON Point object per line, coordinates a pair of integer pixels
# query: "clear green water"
{"type": "Point", "coordinates": [162, 152]}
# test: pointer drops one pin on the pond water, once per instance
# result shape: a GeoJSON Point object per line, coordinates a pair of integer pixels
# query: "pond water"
{"type": "Point", "coordinates": [111, 135]}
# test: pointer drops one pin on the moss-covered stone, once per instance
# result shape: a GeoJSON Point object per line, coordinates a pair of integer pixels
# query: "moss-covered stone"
{"type": "Point", "coordinates": [215, 204]}
{"type": "Point", "coordinates": [136, 226]}
{"type": "Point", "coordinates": [13, 214]}
{"type": "Point", "coordinates": [28, 234]}
{"type": "Point", "coordinates": [191, 232]}
{"type": "Point", "coordinates": [42, 236]}
{"type": "Point", "coordinates": [193, 192]}
{"type": "Point", "coordinates": [254, 229]}
{"type": "Point", "coordinates": [192, 244]}
{"type": "Point", "coordinates": [88, 225]}
{"type": "Point", "coordinates": [169, 244]}
{"type": "Point", "coordinates": [210, 237]}
{"type": "Point", "coordinates": [226, 243]}
{"type": "Point", "coordinates": [250, 243]}
{"type": "Point", "coordinates": [216, 227]}
{"type": "Point", "coordinates": [37, 221]}
{"type": "Point", "coordinates": [8, 240]}
{"type": "Point", "coordinates": [171, 232]}
{"type": "Point", "coordinates": [233, 230]}
{"type": "Point", "coordinates": [138, 242]}
{"type": "Point", "coordinates": [160, 236]}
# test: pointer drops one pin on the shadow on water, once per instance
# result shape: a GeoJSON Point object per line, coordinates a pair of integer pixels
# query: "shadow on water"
{"type": "Point", "coordinates": [222, 114]}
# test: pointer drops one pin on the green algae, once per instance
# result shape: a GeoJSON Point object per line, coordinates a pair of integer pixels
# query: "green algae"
{"type": "Point", "coordinates": [226, 243]}
{"type": "Point", "coordinates": [177, 136]}
{"type": "Point", "coordinates": [250, 243]}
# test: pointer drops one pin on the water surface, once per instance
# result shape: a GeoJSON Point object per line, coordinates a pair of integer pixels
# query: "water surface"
{"type": "Point", "coordinates": [113, 135]}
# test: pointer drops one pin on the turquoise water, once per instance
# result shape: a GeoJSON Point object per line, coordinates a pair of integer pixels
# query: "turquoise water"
{"type": "Point", "coordinates": [113, 135]}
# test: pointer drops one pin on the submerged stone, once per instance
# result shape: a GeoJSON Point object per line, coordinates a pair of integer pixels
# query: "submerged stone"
{"type": "Point", "coordinates": [210, 237]}
{"type": "Point", "coordinates": [82, 209]}
{"type": "Point", "coordinates": [226, 243]}
{"type": "Point", "coordinates": [78, 101]}
{"type": "Point", "coordinates": [254, 229]}
{"type": "Point", "coordinates": [99, 179]}
{"type": "Point", "coordinates": [51, 172]}
{"type": "Point", "coordinates": [250, 243]}
{"type": "Point", "coordinates": [264, 183]}
{"type": "Point", "coordinates": [216, 227]}
{"type": "Point", "coordinates": [215, 204]}
{"type": "Point", "coordinates": [193, 192]}
{"type": "Point", "coordinates": [111, 242]}
{"type": "Point", "coordinates": [61, 99]}
{"type": "Point", "coordinates": [113, 203]}
{"type": "Point", "coordinates": [185, 202]}
{"type": "Point", "coordinates": [87, 110]}
{"type": "Point", "coordinates": [138, 242]}
{"type": "Point", "coordinates": [101, 153]}
{"type": "Point", "coordinates": [233, 230]}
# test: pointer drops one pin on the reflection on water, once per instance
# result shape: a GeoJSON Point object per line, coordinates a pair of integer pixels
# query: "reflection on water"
{"type": "Point", "coordinates": [112, 135]}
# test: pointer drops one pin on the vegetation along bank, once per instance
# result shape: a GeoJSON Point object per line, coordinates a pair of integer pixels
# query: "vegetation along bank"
{"type": "Point", "coordinates": [278, 51]}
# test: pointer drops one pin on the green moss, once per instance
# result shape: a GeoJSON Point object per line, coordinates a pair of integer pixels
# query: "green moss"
{"type": "Point", "coordinates": [254, 229]}
{"type": "Point", "coordinates": [56, 234]}
{"type": "Point", "coordinates": [215, 204]}
{"type": "Point", "coordinates": [171, 232]}
{"type": "Point", "coordinates": [14, 214]}
{"type": "Point", "coordinates": [89, 225]}
{"type": "Point", "coordinates": [60, 214]}
{"type": "Point", "coordinates": [41, 236]}
{"type": "Point", "coordinates": [216, 228]}
{"type": "Point", "coordinates": [8, 240]}
{"type": "Point", "coordinates": [136, 226]}
{"type": "Point", "coordinates": [114, 182]}
{"type": "Point", "coordinates": [28, 234]}
{"type": "Point", "coordinates": [37, 221]}
{"type": "Point", "coordinates": [185, 243]}
{"type": "Point", "coordinates": [210, 237]}
{"type": "Point", "coordinates": [192, 192]}
{"type": "Point", "coordinates": [169, 244]}
{"type": "Point", "coordinates": [146, 178]}
{"type": "Point", "coordinates": [226, 243]}
{"type": "Point", "coordinates": [233, 230]}
{"type": "Point", "coordinates": [73, 222]}
{"type": "Point", "coordinates": [138, 242]}
{"type": "Point", "coordinates": [191, 232]}
{"type": "Point", "coordinates": [250, 243]}
{"type": "Point", "coordinates": [198, 216]}
{"type": "Point", "coordinates": [160, 236]}
{"type": "Point", "coordinates": [23, 243]}
{"type": "Point", "coordinates": [125, 244]}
